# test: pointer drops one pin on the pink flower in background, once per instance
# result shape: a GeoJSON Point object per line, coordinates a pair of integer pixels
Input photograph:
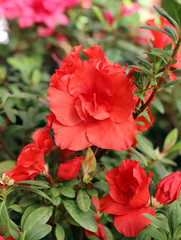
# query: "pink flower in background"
{"type": "Point", "coordinates": [129, 9]}
{"type": "Point", "coordinates": [45, 12]}
{"type": "Point", "coordinates": [86, 3]}
{"type": "Point", "coordinates": [109, 17]}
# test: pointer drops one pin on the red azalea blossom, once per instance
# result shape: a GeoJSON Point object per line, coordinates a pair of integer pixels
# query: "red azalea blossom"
{"type": "Point", "coordinates": [69, 169]}
{"type": "Point", "coordinates": [92, 102]}
{"type": "Point", "coordinates": [161, 40]}
{"type": "Point", "coordinates": [128, 198]}
{"type": "Point", "coordinates": [9, 238]}
{"type": "Point", "coordinates": [31, 161]}
{"type": "Point", "coordinates": [101, 234]}
{"type": "Point", "coordinates": [168, 189]}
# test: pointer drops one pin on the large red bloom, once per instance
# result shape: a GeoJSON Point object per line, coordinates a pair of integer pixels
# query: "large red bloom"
{"type": "Point", "coordinates": [168, 189]}
{"type": "Point", "coordinates": [128, 198]}
{"type": "Point", "coordinates": [92, 102]}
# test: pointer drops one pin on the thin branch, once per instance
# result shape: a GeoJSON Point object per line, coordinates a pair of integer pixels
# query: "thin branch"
{"type": "Point", "coordinates": [155, 90]}
{"type": "Point", "coordinates": [6, 149]}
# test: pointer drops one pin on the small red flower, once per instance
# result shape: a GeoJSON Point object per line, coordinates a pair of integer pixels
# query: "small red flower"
{"type": "Point", "coordinates": [69, 169]}
{"type": "Point", "coordinates": [128, 198]}
{"type": "Point", "coordinates": [168, 189]}
{"type": "Point", "coordinates": [92, 102]}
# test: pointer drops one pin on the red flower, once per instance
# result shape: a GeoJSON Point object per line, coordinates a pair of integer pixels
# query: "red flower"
{"type": "Point", "coordinates": [101, 234]}
{"type": "Point", "coordinates": [31, 161]}
{"type": "Point", "coordinates": [128, 198]}
{"type": "Point", "coordinates": [92, 102]}
{"type": "Point", "coordinates": [168, 189]}
{"type": "Point", "coordinates": [9, 238]}
{"type": "Point", "coordinates": [161, 40]}
{"type": "Point", "coordinates": [69, 169]}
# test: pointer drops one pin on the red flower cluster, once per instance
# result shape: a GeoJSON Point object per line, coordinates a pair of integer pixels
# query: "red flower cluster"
{"type": "Point", "coordinates": [128, 198]}
{"type": "Point", "coordinates": [31, 162]}
{"type": "Point", "coordinates": [92, 102]}
{"type": "Point", "coordinates": [161, 40]}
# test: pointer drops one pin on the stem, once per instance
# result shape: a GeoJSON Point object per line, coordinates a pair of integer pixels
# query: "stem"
{"type": "Point", "coordinates": [155, 90]}
{"type": "Point", "coordinates": [6, 149]}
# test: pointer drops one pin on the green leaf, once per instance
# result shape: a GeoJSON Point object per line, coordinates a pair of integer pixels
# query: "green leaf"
{"type": "Point", "coordinates": [2, 122]}
{"type": "Point", "coordinates": [168, 12]}
{"type": "Point", "coordinates": [67, 192]}
{"type": "Point", "coordinates": [38, 232]}
{"type": "Point", "coordinates": [7, 165]}
{"type": "Point", "coordinates": [10, 112]}
{"type": "Point", "coordinates": [144, 147]}
{"type": "Point", "coordinates": [83, 201]}
{"type": "Point", "coordinates": [174, 217]}
{"type": "Point", "coordinates": [140, 156]}
{"type": "Point", "coordinates": [13, 230]}
{"type": "Point", "coordinates": [27, 213]}
{"type": "Point", "coordinates": [39, 216]}
{"type": "Point", "coordinates": [172, 83]}
{"type": "Point", "coordinates": [35, 190]}
{"type": "Point", "coordinates": [158, 105]}
{"type": "Point", "coordinates": [4, 218]}
{"type": "Point", "coordinates": [35, 183]}
{"type": "Point", "coordinates": [15, 208]}
{"type": "Point", "coordinates": [85, 219]}
{"type": "Point", "coordinates": [154, 220]}
{"type": "Point", "coordinates": [59, 232]}
{"type": "Point", "coordinates": [170, 31]}
{"type": "Point", "coordinates": [177, 233]}
{"type": "Point", "coordinates": [100, 16]}
{"type": "Point", "coordinates": [36, 76]}
{"type": "Point", "coordinates": [92, 192]}
{"type": "Point", "coordinates": [167, 31]}
{"type": "Point", "coordinates": [151, 232]}
{"type": "Point", "coordinates": [171, 138]}
{"type": "Point", "coordinates": [160, 169]}
{"type": "Point", "coordinates": [174, 148]}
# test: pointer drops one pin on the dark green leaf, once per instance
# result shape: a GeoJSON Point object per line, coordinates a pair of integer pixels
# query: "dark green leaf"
{"type": "Point", "coordinates": [144, 147]}
{"type": "Point", "coordinates": [83, 201]}
{"type": "Point", "coordinates": [92, 192]}
{"type": "Point", "coordinates": [27, 213]}
{"type": "Point", "coordinates": [67, 192]}
{"type": "Point", "coordinates": [85, 219]}
{"type": "Point", "coordinates": [168, 12]}
{"type": "Point", "coordinates": [171, 138]}
{"type": "Point", "coordinates": [15, 208]}
{"type": "Point", "coordinates": [4, 218]}
{"type": "Point", "coordinates": [174, 216]}
{"type": "Point", "coordinates": [158, 105]}
{"type": "Point", "coordinates": [37, 217]}
{"type": "Point", "coordinates": [35, 183]}
{"type": "Point", "coordinates": [170, 31]}
{"type": "Point", "coordinates": [172, 83]}
{"type": "Point", "coordinates": [2, 122]}
{"type": "Point", "coordinates": [38, 232]}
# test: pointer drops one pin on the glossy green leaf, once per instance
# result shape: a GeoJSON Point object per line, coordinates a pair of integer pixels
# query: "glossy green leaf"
{"type": "Point", "coordinates": [59, 232]}
{"type": "Point", "coordinates": [35, 183]}
{"type": "Point", "coordinates": [67, 192]}
{"type": "Point", "coordinates": [145, 147]}
{"type": "Point", "coordinates": [83, 200]}
{"type": "Point", "coordinates": [170, 31]}
{"type": "Point", "coordinates": [168, 11]}
{"type": "Point", "coordinates": [4, 218]}
{"type": "Point", "coordinates": [92, 192]}
{"type": "Point", "coordinates": [27, 213]}
{"type": "Point", "coordinates": [39, 216]}
{"type": "Point", "coordinates": [38, 232]}
{"type": "Point", "coordinates": [85, 219]}
{"type": "Point", "coordinates": [171, 138]}
{"type": "Point", "coordinates": [174, 216]}
{"type": "Point", "coordinates": [171, 83]}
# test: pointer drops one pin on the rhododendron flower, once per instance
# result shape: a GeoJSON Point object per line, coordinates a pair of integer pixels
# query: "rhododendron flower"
{"type": "Point", "coordinates": [168, 189]}
{"type": "Point", "coordinates": [92, 102]}
{"type": "Point", "coordinates": [161, 40]}
{"type": "Point", "coordinates": [128, 198]}
{"type": "Point", "coordinates": [69, 169]}
{"type": "Point", "coordinates": [31, 161]}
{"type": "Point", "coordinates": [101, 234]}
